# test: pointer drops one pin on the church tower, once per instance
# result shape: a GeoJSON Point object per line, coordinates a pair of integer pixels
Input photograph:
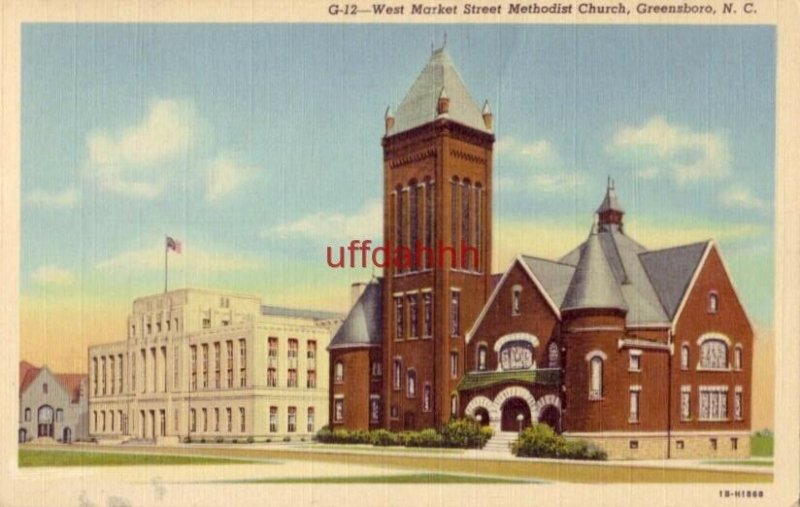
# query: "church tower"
{"type": "Point", "coordinates": [437, 216]}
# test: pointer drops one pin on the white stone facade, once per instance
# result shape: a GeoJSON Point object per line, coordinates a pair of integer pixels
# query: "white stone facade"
{"type": "Point", "coordinates": [198, 364]}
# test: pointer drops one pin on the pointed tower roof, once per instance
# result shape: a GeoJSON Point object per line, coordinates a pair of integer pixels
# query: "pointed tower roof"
{"type": "Point", "coordinates": [420, 103]}
{"type": "Point", "coordinates": [593, 285]}
{"type": "Point", "coordinates": [610, 201]}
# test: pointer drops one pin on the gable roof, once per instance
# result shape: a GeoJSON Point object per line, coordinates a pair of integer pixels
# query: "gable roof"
{"type": "Point", "coordinates": [671, 270]}
{"type": "Point", "coordinates": [552, 275]}
{"type": "Point", "coordinates": [420, 103]}
{"type": "Point", "coordinates": [363, 326]}
{"type": "Point", "coordinates": [71, 382]}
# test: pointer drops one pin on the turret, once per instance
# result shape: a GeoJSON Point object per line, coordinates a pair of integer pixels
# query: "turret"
{"type": "Point", "coordinates": [610, 212]}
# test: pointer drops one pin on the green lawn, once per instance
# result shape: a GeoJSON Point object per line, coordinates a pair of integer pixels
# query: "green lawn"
{"type": "Point", "coordinates": [373, 449]}
{"type": "Point", "coordinates": [762, 445]}
{"type": "Point", "coordinates": [433, 478]}
{"type": "Point", "coordinates": [50, 458]}
{"type": "Point", "coordinates": [743, 462]}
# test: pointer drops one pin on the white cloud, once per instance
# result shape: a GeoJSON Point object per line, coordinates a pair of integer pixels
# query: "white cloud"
{"type": "Point", "coordinates": [365, 224]}
{"type": "Point", "coordinates": [53, 276]}
{"type": "Point", "coordinates": [661, 148]}
{"type": "Point", "coordinates": [225, 176]}
{"type": "Point", "coordinates": [192, 259]}
{"type": "Point", "coordinates": [131, 161]}
{"type": "Point", "coordinates": [742, 197]}
{"type": "Point", "coordinates": [58, 199]}
{"type": "Point", "coordinates": [535, 166]}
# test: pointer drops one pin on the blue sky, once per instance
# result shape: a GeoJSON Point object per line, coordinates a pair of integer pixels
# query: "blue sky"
{"type": "Point", "coordinates": [259, 145]}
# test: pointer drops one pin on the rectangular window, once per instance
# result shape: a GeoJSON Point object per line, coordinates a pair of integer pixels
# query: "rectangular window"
{"type": "Point", "coordinates": [194, 367]}
{"type": "Point", "coordinates": [310, 421]}
{"type": "Point", "coordinates": [216, 419]}
{"type": "Point", "coordinates": [734, 443]}
{"type": "Point", "coordinates": [713, 403]}
{"type": "Point", "coordinates": [205, 420]}
{"type": "Point", "coordinates": [686, 403]}
{"type": "Point", "coordinates": [427, 299]}
{"type": "Point", "coordinates": [205, 365]}
{"type": "Point", "coordinates": [229, 363]}
{"type": "Point", "coordinates": [412, 316]}
{"type": "Point", "coordinates": [398, 318]}
{"type": "Point", "coordinates": [635, 360]}
{"type": "Point", "coordinates": [292, 352]}
{"type": "Point", "coordinates": [273, 419]}
{"type": "Point", "coordinates": [374, 409]}
{"type": "Point", "coordinates": [429, 220]}
{"type": "Point", "coordinates": [94, 375]}
{"type": "Point", "coordinates": [242, 420]}
{"type": "Point", "coordinates": [272, 377]}
{"type": "Point", "coordinates": [455, 313]}
{"type": "Point", "coordinates": [292, 379]}
{"type": "Point", "coordinates": [311, 379]}
{"type": "Point", "coordinates": [426, 398]}
{"type": "Point", "coordinates": [738, 404]}
{"type": "Point", "coordinates": [633, 416]}
{"type": "Point", "coordinates": [242, 363]}
{"type": "Point", "coordinates": [338, 409]}
{"type": "Point", "coordinates": [103, 362]}
{"type": "Point", "coordinates": [273, 348]}
{"type": "Point", "coordinates": [633, 444]}
{"type": "Point", "coordinates": [377, 369]}
{"type": "Point", "coordinates": [453, 364]}
{"type": "Point", "coordinates": [397, 374]}
{"type": "Point", "coordinates": [229, 414]}
{"type": "Point", "coordinates": [175, 369]}
{"type": "Point", "coordinates": [217, 365]}
{"type": "Point", "coordinates": [311, 350]}
{"type": "Point", "coordinates": [454, 216]}
{"type": "Point", "coordinates": [291, 427]}
{"type": "Point", "coordinates": [192, 420]}
{"type": "Point", "coordinates": [713, 443]}
{"type": "Point", "coordinates": [413, 225]}
{"type": "Point", "coordinates": [679, 444]}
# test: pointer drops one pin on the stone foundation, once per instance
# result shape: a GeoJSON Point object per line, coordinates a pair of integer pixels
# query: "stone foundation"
{"type": "Point", "coordinates": [689, 446]}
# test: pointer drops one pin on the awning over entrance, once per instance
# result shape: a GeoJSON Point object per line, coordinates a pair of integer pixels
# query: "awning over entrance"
{"type": "Point", "coordinates": [478, 380]}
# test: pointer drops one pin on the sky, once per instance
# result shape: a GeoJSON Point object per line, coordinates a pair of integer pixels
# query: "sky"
{"type": "Point", "coordinates": [257, 146]}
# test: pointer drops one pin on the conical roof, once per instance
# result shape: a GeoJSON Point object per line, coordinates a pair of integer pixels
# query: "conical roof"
{"type": "Point", "coordinates": [594, 284]}
{"type": "Point", "coordinates": [363, 325]}
{"type": "Point", "coordinates": [419, 105]}
{"type": "Point", "coordinates": [610, 201]}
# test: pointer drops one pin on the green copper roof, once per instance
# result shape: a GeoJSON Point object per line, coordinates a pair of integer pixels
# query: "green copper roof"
{"type": "Point", "coordinates": [478, 380]}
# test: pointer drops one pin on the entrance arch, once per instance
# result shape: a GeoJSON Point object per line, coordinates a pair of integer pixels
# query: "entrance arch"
{"type": "Point", "coordinates": [482, 416]}
{"type": "Point", "coordinates": [551, 417]}
{"type": "Point", "coordinates": [67, 439]}
{"type": "Point", "coordinates": [45, 421]}
{"type": "Point", "coordinates": [23, 435]}
{"type": "Point", "coordinates": [516, 415]}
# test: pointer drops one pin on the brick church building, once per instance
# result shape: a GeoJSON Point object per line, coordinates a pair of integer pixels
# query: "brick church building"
{"type": "Point", "coordinates": [647, 353]}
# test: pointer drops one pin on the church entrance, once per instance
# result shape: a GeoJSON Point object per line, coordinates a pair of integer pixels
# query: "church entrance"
{"type": "Point", "coordinates": [516, 415]}
{"type": "Point", "coordinates": [45, 419]}
{"type": "Point", "coordinates": [482, 416]}
{"type": "Point", "coordinates": [551, 417]}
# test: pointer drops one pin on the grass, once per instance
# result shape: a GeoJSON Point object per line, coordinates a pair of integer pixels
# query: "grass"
{"type": "Point", "coordinates": [434, 478]}
{"type": "Point", "coordinates": [762, 445]}
{"type": "Point", "coordinates": [744, 462]}
{"type": "Point", "coordinates": [380, 449]}
{"type": "Point", "coordinates": [49, 458]}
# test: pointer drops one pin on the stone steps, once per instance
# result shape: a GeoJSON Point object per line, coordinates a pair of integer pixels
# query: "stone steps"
{"type": "Point", "coordinates": [501, 442]}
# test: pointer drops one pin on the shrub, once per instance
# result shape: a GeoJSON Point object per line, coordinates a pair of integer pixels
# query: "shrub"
{"type": "Point", "coordinates": [383, 438]}
{"type": "Point", "coordinates": [540, 441]}
{"type": "Point", "coordinates": [219, 440]}
{"type": "Point", "coordinates": [250, 440]}
{"type": "Point", "coordinates": [202, 440]}
{"type": "Point", "coordinates": [235, 441]}
{"type": "Point", "coordinates": [465, 433]}
{"type": "Point", "coordinates": [268, 440]}
{"type": "Point", "coordinates": [324, 435]}
{"type": "Point", "coordinates": [425, 438]}
{"type": "Point", "coordinates": [287, 438]}
{"type": "Point", "coordinates": [187, 440]}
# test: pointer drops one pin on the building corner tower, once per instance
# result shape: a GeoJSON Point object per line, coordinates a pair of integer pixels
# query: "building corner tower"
{"type": "Point", "coordinates": [437, 216]}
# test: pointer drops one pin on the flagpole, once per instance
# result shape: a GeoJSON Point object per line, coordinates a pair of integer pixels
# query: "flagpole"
{"type": "Point", "coordinates": [166, 265]}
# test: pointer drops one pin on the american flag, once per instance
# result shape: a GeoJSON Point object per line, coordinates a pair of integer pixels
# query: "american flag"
{"type": "Point", "coordinates": [173, 244]}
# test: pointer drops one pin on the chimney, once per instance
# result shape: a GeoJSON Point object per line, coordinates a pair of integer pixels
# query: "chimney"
{"type": "Point", "coordinates": [356, 289]}
{"type": "Point", "coordinates": [443, 106]}
{"type": "Point", "coordinates": [487, 115]}
{"type": "Point", "coordinates": [388, 119]}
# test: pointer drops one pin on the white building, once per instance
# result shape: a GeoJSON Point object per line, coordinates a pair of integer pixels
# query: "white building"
{"type": "Point", "coordinates": [212, 365]}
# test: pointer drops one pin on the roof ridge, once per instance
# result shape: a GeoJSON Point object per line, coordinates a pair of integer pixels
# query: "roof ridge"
{"type": "Point", "coordinates": [546, 260]}
{"type": "Point", "coordinates": [676, 247]}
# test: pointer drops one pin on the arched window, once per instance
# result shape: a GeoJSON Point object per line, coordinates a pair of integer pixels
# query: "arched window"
{"type": "Point", "coordinates": [553, 356]}
{"type": "Point", "coordinates": [427, 394]}
{"type": "Point", "coordinates": [516, 296]}
{"type": "Point", "coordinates": [482, 357]}
{"type": "Point", "coordinates": [413, 222]}
{"type": "Point", "coordinates": [477, 223]}
{"type": "Point", "coordinates": [44, 388]}
{"type": "Point", "coordinates": [59, 415]}
{"type": "Point", "coordinates": [685, 356]}
{"type": "Point", "coordinates": [27, 414]}
{"type": "Point", "coordinates": [737, 357]}
{"type": "Point", "coordinates": [411, 383]}
{"type": "Point", "coordinates": [713, 302]}
{"type": "Point", "coordinates": [397, 373]}
{"type": "Point", "coordinates": [596, 381]}
{"type": "Point", "coordinates": [714, 354]}
{"type": "Point", "coordinates": [454, 214]}
{"type": "Point", "coordinates": [339, 372]}
{"type": "Point", "coordinates": [465, 224]}
{"type": "Point", "coordinates": [429, 219]}
{"type": "Point", "coordinates": [453, 404]}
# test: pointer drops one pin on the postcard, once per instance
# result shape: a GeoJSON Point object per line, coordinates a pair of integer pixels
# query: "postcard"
{"type": "Point", "coordinates": [375, 253]}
